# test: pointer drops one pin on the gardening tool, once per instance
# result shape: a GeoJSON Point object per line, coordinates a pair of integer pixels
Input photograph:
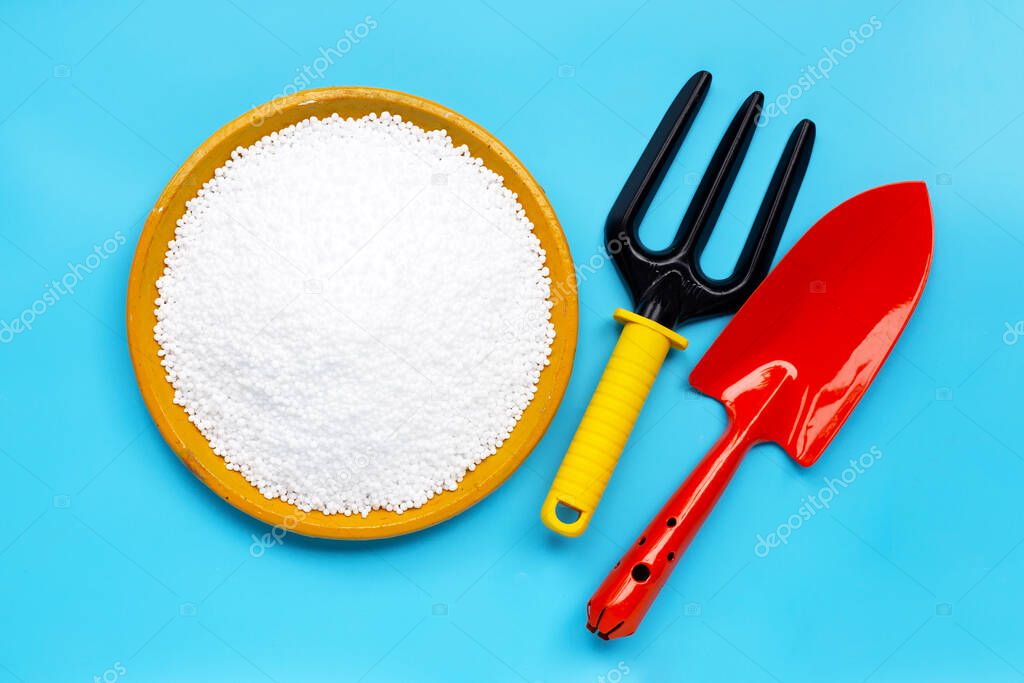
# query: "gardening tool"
{"type": "Point", "coordinates": [789, 368]}
{"type": "Point", "coordinates": [668, 286]}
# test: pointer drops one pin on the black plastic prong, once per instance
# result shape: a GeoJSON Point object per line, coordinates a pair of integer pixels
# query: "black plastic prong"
{"type": "Point", "coordinates": [633, 201]}
{"type": "Point", "coordinates": [758, 252]}
{"type": "Point", "coordinates": [708, 200]}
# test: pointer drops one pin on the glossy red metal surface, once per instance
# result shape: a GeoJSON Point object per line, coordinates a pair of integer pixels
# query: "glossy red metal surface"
{"type": "Point", "coordinates": [789, 368]}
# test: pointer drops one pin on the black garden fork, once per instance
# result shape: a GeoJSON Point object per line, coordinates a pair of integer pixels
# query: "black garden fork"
{"type": "Point", "coordinates": [668, 286]}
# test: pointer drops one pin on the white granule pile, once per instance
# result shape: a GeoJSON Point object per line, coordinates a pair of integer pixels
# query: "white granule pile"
{"type": "Point", "coordinates": [354, 313]}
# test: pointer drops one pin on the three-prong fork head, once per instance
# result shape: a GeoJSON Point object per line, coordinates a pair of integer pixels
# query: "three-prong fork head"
{"type": "Point", "coordinates": [669, 286]}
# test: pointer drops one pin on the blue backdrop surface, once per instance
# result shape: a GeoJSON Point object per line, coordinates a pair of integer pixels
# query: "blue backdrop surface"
{"type": "Point", "coordinates": [116, 563]}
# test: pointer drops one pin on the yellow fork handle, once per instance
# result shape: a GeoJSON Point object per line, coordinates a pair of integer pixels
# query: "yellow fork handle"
{"type": "Point", "coordinates": [608, 420]}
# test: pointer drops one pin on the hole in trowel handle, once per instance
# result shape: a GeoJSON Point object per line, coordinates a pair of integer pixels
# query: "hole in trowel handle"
{"type": "Point", "coordinates": [641, 572]}
{"type": "Point", "coordinates": [566, 514]}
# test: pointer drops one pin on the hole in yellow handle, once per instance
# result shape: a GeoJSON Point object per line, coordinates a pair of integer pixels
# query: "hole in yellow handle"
{"type": "Point", "coordinates": [566, 513]}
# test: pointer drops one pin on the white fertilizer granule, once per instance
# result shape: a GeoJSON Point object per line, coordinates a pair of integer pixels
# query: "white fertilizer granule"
{"type": "Point", "coordinates": [354, 313]}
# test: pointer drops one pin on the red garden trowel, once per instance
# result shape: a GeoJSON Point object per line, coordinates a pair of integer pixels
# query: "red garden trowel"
{"type": "Point", "coordinates": [789, 368]}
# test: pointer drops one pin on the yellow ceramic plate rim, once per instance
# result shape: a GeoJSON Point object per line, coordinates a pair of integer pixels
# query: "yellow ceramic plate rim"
{"type": "Point", "coordinates": [186, 440]}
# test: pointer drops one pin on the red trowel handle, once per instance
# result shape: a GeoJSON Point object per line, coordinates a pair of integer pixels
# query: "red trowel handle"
{"type": "Point", "coordinates": [617, 607]}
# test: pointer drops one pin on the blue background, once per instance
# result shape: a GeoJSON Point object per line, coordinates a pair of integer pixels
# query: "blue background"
{"type": "Point", "coordinates": [116, 562]}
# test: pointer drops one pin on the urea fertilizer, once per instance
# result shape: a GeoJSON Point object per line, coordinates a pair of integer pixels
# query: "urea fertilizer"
{"type": "Point", "coordinates": [354, 313]}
